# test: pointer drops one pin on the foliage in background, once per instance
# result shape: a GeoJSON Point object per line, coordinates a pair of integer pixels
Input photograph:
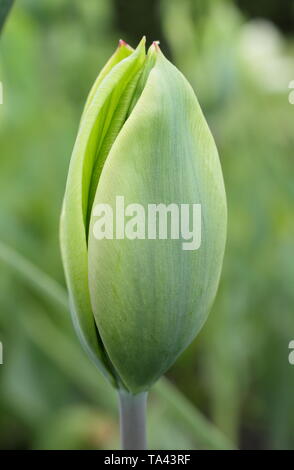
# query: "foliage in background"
{"type": "Point", "coordinates": [237, 372]}
{"type": "Point", "coordinates": [5, 6]}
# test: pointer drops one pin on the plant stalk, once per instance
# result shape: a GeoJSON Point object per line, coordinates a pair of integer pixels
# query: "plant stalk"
{"type": "Point", "coordinates": [133, 420]}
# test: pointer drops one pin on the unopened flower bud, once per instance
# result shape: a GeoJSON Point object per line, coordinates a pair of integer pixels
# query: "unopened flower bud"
{"type": "Point", "coordinates": [144, 218]}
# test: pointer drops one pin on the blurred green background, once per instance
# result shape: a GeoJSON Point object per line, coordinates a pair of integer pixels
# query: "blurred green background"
{"type": "Point", "coordinates": [234, 386]}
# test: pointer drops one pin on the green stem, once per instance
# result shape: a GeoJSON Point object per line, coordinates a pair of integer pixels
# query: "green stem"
{"type": "Point", "coordinates": [133, 420]}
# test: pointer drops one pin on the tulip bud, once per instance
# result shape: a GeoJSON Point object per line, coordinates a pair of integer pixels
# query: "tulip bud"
{"type": "Point", "coordinates": [143, 225]}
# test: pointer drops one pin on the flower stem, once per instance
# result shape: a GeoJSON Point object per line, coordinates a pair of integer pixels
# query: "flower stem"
{"type": "Point", "coordinates": [133, 420]}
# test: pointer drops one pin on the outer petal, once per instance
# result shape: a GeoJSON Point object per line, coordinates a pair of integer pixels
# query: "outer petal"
{"type": "Point", "coordinates": [149, 297]}
{"type": "Point", "coordinates": [108, 98]}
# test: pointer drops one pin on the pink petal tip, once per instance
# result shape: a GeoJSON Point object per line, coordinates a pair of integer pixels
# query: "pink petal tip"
{"type": "Point", "coordinates": [121, 43]}
{"type": "Point", "coordinates": [156, 45]}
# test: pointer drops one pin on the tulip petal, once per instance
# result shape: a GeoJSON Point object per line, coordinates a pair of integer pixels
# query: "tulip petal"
{"type": "Point", "coordinates": [122, 52]}
{"type": "Point", "coordinates": [103, 117]}
{"type": "Point", "coordinates": [150, 297]}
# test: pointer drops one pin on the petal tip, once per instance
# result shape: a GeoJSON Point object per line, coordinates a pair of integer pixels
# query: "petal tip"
{"type": "Point", "coordinates": [143, 40]}
{"type": "Point", "coordinates": [121, 43]}
{"type": "Point", "coordinates": [155, 44]}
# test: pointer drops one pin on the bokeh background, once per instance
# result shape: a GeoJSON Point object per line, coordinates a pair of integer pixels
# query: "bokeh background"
{"type": "Point", "coordinates": [234, 386]}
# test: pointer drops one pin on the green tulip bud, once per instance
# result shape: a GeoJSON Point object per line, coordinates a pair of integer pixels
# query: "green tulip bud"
{"type": "Point", "coordinates": [144, 218]}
